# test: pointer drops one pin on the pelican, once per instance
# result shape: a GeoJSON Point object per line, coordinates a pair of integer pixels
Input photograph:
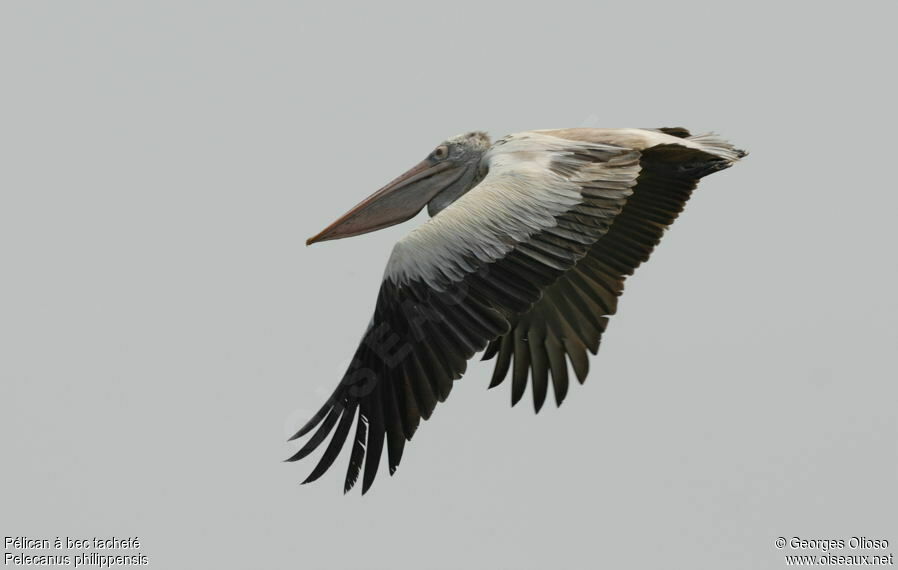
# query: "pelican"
{"type": "Point", "coordinates": [524, 256]}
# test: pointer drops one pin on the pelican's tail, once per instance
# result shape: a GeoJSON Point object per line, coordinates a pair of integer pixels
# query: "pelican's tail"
{"type": "Point", "coordinates": [693, 156]}
{"type": "Point", "coordinates": [713, 144]}
{"type": "Point", "coordinates": [710, 143]}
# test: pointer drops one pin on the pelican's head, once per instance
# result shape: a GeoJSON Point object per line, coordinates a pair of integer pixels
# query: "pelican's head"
{"type": "Point", "coordinates": [450, 170]}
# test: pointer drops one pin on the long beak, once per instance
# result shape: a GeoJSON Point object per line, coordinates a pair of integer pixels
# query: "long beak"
{"type": "Point", "coordinates": [398, 201]}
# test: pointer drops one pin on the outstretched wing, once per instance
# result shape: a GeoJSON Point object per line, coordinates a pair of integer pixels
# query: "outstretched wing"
{"type": "Point", "coordinates": [460, 280]}
{"type": "Point", "coordinates": [573, 312]}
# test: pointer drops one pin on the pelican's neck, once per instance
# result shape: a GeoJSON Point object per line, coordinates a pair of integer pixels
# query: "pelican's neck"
{"type": "Point", "coordinates": [468, 180]}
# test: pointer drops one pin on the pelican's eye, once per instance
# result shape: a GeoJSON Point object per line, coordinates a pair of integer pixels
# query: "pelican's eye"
{"type": "Point", "coordinates": [440, 152]}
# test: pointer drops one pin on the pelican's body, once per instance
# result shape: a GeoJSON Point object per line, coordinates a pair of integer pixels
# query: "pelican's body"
{"type": "Point", "coordinates": [525, 254]}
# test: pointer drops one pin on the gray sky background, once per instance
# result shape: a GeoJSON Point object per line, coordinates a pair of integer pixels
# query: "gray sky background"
{"type": "Point", "coordinates": [163, 328]}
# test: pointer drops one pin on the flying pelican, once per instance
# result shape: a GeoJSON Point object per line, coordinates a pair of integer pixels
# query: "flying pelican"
{"type": "Point", "coordinates": [526, 251]}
